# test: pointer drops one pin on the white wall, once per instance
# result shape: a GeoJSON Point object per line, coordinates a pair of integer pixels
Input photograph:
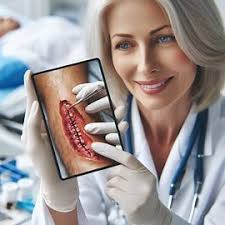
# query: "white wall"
{"type": "Point", "coordinates": [221, 6]}
{"type": "Point", "coordinates": [30, 8]}
{"type": "Point", "coordinates": [37, 8]}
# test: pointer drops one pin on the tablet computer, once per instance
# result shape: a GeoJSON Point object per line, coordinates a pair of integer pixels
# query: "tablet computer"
{"type": "Point", "coordinates": [64, 121]}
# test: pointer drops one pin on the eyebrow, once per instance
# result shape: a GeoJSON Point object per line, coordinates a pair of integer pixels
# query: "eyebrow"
{"type": "Point", "coordinates": [151, 32]}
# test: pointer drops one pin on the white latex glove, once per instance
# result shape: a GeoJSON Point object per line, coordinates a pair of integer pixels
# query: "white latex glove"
{"type": "Point", "coordinates": [107, 128]}
{"type": "Point", "coordinates": [59, 195]}
{"type": "Point", "coordinates": [83, 90]}
{"type": "Point", "coordinates": [134, 188]}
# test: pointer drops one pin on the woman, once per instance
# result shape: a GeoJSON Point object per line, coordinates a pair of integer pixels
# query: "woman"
{"type": "Point", "coordinates": [170, 56]}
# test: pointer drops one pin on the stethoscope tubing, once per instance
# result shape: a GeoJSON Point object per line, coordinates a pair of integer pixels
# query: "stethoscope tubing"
{"type": "Point", "coordinates": [198, 132]}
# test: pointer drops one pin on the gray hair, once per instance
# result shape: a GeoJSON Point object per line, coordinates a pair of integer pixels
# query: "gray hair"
{"type": "Point", "coordinates": [199, 32]}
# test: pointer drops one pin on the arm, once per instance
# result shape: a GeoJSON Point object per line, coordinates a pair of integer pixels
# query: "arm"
{"type": "Point", "coordinates": [60, 196]}
{"type": "Point", "coordinates": [69, 218]}
{"type": "Point", "coordinates": [44, 215]}
{"type": "Point", "coordinates": [90, 208]}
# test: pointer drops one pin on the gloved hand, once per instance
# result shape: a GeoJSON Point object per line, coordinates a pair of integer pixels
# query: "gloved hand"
{"type": "Point", "coordinates": [134, 188]}
{"type": "Point", "coordinates": [107, 128]}
{"type": "Point", "coordinates": [59, 195]}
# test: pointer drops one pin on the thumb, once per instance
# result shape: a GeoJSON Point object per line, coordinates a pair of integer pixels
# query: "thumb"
{"type": "Point", "coordinates": [115, 154]}
{"type": "Point", "coordinates": [34, 122]}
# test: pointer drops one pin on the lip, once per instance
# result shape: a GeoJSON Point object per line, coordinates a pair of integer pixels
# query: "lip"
{"type": "Point", "coordinates": [157, 85]}
{"type": "Point", "coordinates": [152, 82]}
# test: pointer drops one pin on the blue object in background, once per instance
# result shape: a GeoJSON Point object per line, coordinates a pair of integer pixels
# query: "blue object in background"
{"type": "Point", "coordinates": [11, 72]}
{"type": "Point", "coordinates": [27, 205]}
{"type": "Point", "coordinates": [15, 174]}
{"type": "Point", "coordinates": [4, 92]}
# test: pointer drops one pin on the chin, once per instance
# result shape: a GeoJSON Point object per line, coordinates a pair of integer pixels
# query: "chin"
{"type": "Point", "coordinates": [155, 105]}
{"type": "Point", "coordinates": [153, 102]}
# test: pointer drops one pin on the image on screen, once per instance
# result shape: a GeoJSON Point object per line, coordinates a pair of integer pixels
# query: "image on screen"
{"type": "Point", "coordinates": [65, 122]}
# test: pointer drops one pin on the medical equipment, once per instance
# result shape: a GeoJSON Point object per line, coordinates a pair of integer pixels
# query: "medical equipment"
{"type": "Point", "coordinates": [198, 134]}
{"type": "Point", "coordinates": [16, 193]}
{"type": "Point", "coordinates": [9, 170]}
{"type": "Point", "coordinates": [90, 95]}
{"type": "Point", "coordinates": [9, 194]}
{"type": "Point", "coordinates": [25, 186]}
{"type": "Point", "coordinates": [27, 205]}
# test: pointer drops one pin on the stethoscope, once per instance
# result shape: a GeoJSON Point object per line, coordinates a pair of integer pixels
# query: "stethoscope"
{"type": "Point", "coordinates": [198, 134]}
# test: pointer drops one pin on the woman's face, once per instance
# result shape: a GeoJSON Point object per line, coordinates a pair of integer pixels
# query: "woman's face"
{"type": "Point", "coordinates": [146, 55]}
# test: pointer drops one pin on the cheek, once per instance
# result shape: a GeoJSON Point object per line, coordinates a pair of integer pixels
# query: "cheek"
{"type": "Point", "coordinates": [178, 62]}
{"type": "Point", "coordinates": [123, 65]}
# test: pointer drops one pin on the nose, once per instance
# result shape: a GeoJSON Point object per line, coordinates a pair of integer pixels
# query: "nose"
{"type": "Point", "coordinates": [146, 61]}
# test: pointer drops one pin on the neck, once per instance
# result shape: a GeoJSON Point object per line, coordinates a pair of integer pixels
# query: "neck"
{"type": "Point", "coordinates": [162, 126]}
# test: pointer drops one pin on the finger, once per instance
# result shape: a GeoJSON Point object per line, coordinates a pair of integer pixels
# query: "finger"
{"type": "Point", "coordinates": [100, 128]}
{"type": "Point", "coordinates": [120, 112]}
{"type": "Point", "coordinates": [34, 125]}
{"type": "Point", "coordinates": [115, 193]}
{"type": "Point", "coordinates": [100, 84]}
{"type": "Point", "coordinates": [30, 92]}
{"type": "Point", "coordinates": [113, 153]}
{"type": "Point", "coordinates": [34, 119]}
{"type": "Point", "coordinates": [113, 138]}
{"type": "Point", "coordinates": [117, 171]}
{"type": "Point", "coordinates": [119, 147]}
{"type": "Point", "coordinates": [99, 105]}
{"type": "Point", "coordinates": [30, 97]}
{"type": "Point", "coordinates": [82, 94]}
{"type": "Point", "coordinates": [88, 90]}
{"type": "Point", "coordinates": [123, 126]}
{"type": "Point", "coordinates": [121, 171]}
{"type": "Point", "coordinates": [79, 87]}
{"type": "Point", "coordinates": [117, 182]}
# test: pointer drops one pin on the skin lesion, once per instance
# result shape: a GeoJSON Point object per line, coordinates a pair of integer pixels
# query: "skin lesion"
{"type": "Point", "coordinates": [73, 124]}
{"type": "Point", "coordinates": [55, 90]}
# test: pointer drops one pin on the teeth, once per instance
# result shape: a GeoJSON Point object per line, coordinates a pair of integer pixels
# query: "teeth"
{"type": "Point", "coordinates": [153, 86]}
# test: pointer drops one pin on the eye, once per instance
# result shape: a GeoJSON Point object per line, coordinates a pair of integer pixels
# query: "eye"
{"type": "Point", "coordinates": [123, 46]}
{"type": "Point", "coordinates": [164, 39]}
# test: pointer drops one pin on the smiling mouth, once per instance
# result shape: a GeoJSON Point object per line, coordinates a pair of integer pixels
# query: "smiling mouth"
{"type": "Point", "coordinates": [155, 86]}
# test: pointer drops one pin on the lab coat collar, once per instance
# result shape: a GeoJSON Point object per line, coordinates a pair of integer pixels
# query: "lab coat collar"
{"type": "Point", "coordinates": [216, 123]}
{"type": "Point", "coordinates": [211, 134]}
{"type": "Point", "coordinates": [140, 144]}
{"type": "Point", "coordinates": [142, 151]}
{"type": "Point", "coordinates": [185, 132]}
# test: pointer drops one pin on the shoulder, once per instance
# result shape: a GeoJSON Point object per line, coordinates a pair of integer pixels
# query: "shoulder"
{"type": "Point", "coordinates": [217, 114]}
{"type": "Point", "coordinates": [214, 149]}
{"type": "Point", "coordinates": [217, 109]}
{"type": "Point", "coordinates": [216, 126]}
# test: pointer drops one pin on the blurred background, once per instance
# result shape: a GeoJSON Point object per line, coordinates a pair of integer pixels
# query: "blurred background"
{"type": "Point", "coordinates": [36, 35]}
{"type": "Point", "coordinates": [38, 8]}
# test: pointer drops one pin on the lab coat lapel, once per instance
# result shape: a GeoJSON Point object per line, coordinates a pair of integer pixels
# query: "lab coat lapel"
{"type": "Point", "coordinates": [179, 148]}
{"type": "Point", "coordinates": [176, 153]}
{"type": "Point", "coordinates": [141, 148]}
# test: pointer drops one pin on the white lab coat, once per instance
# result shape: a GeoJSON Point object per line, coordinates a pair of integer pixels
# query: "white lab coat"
{"type": "Point", "coordinates": [211, 205]}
